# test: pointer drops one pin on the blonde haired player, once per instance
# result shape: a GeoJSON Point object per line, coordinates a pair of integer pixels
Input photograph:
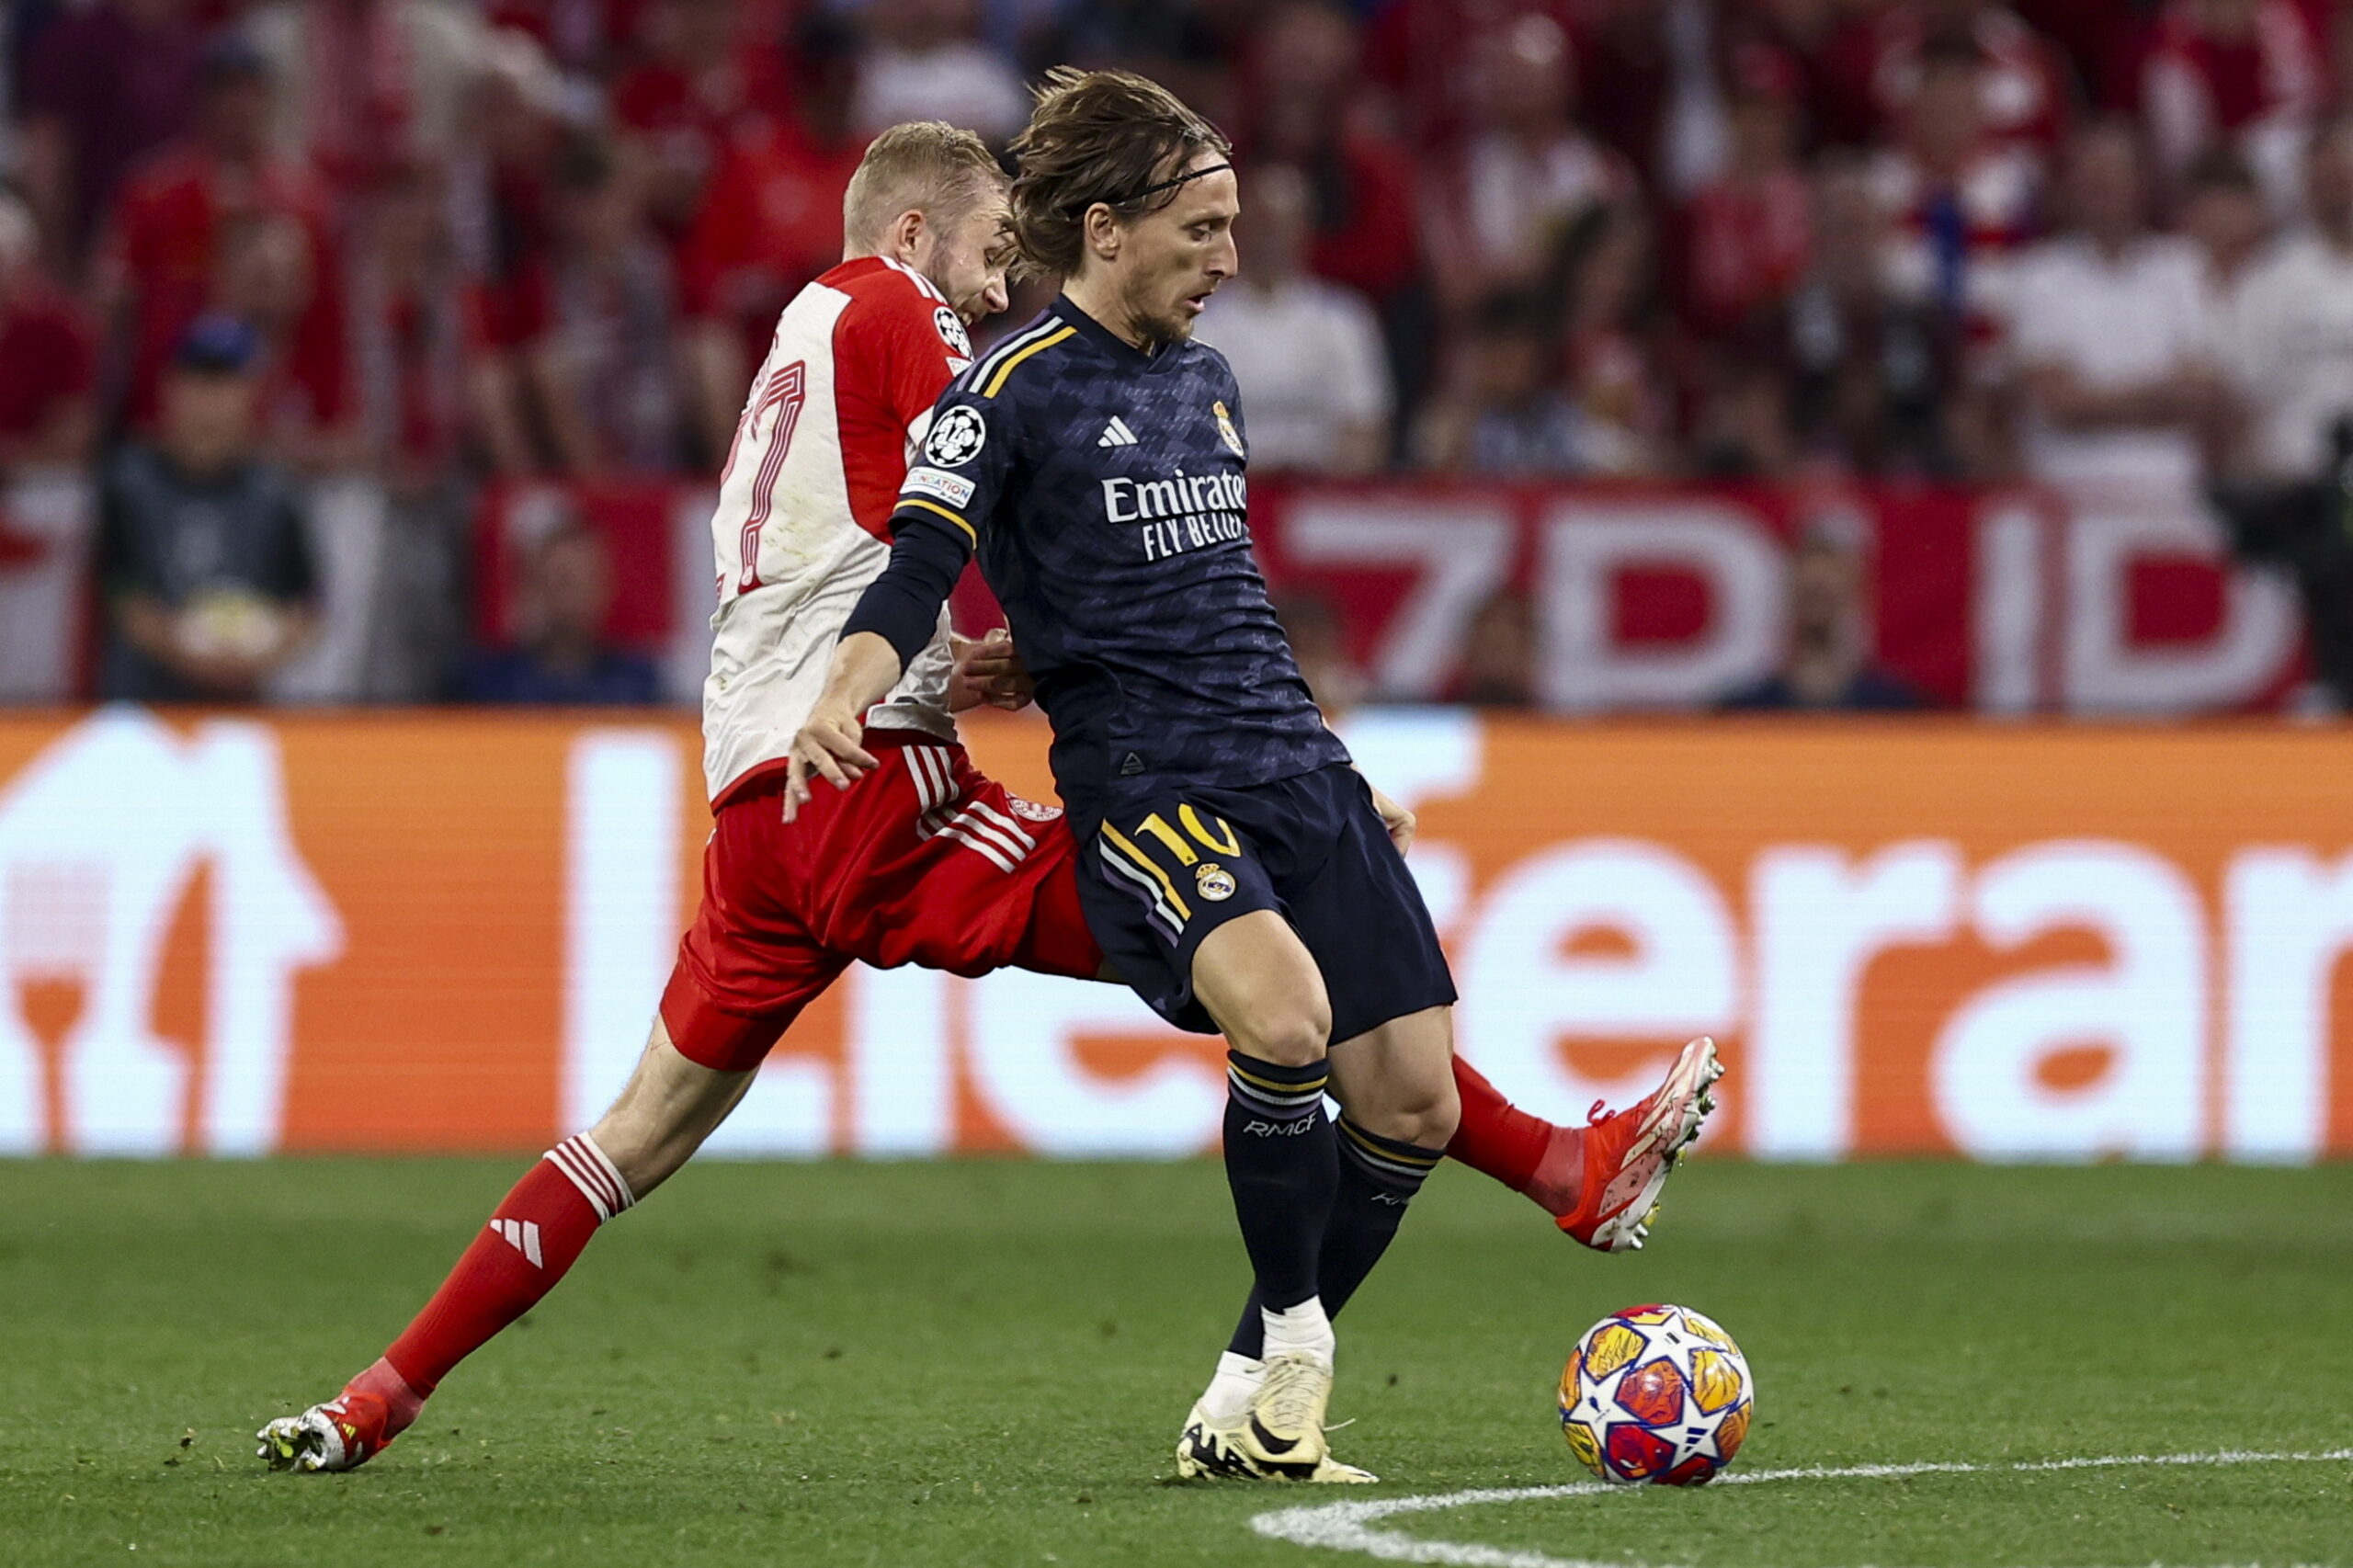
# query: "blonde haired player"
{"type": "Point", "coordinates": [925, 862]}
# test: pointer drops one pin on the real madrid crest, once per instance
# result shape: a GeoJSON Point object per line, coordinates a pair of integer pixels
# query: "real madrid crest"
{"type": "Point", "coordinates": [1211, 881]}
{"type": "Point", "coordinates": [1226, 432]}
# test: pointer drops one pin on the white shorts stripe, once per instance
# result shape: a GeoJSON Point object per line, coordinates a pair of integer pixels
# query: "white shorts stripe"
{"type": "Point", "coordinates": [987, 851]}
{"type": "Point", "coordinates": [926, 790]}
{"type": "Point", "coordinates": [942, 778]}
{"type": "Point", "coordinates": [1160, 909]}
{"type": "Point", "coordinates": [981, 827]}
{"type": "Point", "coordinates": [1005, 823]}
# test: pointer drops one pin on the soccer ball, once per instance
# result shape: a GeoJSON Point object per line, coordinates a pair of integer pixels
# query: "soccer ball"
{"type": "Point", "coordinates": [1656, 1395]}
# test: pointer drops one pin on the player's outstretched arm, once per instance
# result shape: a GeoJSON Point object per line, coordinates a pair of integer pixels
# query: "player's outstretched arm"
{"type": "Point", "coordinates": [894, 620]}
{"type": "Point", "coordinates": [831, 743]}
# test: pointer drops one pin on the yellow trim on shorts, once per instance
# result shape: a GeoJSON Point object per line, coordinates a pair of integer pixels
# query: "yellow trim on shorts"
{"type": "Point", "coordinates": [1120, 841]}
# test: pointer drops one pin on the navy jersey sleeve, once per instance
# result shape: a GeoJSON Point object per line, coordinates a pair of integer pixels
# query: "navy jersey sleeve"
{"type": "Point", "coordinates": [948, 498]}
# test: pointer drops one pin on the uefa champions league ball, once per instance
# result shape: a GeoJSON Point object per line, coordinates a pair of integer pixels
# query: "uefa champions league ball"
{"type": "Point", "coordinates": [1657, 1394]}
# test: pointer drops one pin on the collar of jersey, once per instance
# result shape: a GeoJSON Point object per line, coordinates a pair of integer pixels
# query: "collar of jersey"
{"type": "Point", "coordinates": [1111, 342]}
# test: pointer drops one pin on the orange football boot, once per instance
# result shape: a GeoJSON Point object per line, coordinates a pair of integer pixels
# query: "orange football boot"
{"type": "Point", "coordinates": [1624, 1157]}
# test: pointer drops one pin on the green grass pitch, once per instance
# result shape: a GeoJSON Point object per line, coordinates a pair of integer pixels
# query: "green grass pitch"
{"type": "Point", "coordinates": [985, 1363]}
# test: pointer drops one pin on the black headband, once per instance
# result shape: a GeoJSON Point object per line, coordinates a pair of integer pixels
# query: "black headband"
{"type": "Point", "coordinates": [1170, 184]}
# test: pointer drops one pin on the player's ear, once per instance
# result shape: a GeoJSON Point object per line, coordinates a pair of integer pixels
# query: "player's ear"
{"type": "Point", "coordinates": [906, 235]}
{"type": "Point", "coordinates": [1103, 231]}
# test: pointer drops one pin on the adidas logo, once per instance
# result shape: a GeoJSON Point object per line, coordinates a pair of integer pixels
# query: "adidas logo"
{"type": "Point", "coordinates": [1117, 433]}
{"type": "Point", "coordinates": [523, 1235]}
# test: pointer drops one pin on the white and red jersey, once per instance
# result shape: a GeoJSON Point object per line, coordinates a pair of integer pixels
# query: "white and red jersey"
{"type": "Point", "coordinates": [802, 522]}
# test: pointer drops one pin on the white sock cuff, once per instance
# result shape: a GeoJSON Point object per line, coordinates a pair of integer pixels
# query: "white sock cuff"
{"type": "Point", "coordinates": [1300, 1328]}
{"type": "Point", "coordinates": [598, 1179]}
{"type": "Point", "coordinates": [1229, 1392]}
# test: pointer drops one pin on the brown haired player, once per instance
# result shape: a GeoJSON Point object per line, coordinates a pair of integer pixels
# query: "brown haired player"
{"type": "Point", "coordinates": [1241, 876]}
{"type": "Point", "coordinates": [928, 863]}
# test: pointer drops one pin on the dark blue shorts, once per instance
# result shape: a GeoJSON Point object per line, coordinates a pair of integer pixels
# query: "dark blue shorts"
{"type": "Point", "coordinates": [1160, 870]}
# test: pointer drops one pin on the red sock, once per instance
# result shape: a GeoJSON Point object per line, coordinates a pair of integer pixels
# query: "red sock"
{"type": "Point", "coordinates": [534, 1235]}
{"type": "Point", "coordinates": [1496, 1138]}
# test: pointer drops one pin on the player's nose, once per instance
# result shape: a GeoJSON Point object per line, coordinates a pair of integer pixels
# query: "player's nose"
{"type": "Point", "coordinates": [996, 297]}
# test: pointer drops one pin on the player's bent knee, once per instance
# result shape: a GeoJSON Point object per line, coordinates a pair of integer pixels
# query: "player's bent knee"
{"type": "Point", "coordinates": [1292, 1037]}
{"type": "Point", "coordinates": [1423, 1115]}
{"type": "Point", "coordinates": [1262, 987]}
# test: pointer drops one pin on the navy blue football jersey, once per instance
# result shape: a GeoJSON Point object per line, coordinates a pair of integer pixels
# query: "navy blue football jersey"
{"type": "Point", "coordinates": [1102, 489]}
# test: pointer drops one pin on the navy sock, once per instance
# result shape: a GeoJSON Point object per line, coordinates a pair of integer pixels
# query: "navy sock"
{"type": "Point", "coordinates": [1283, 1168]}
{"type": "Point", "coordinates": [1377, 1178]}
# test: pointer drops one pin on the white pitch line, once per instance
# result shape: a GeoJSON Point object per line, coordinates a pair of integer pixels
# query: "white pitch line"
{"type": "Point", "coordinates": [1346, 1526]}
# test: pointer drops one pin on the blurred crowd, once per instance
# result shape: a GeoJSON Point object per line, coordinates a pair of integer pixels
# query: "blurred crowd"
{"type": "Point", "coordinates": [444, 242]}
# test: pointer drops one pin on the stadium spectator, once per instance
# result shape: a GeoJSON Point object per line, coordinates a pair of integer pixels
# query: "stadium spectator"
{"type": "Point", "coordinates": [203, 555]}
{"type": "Point", "coordinates": [923, 62]}
{"type": "Point", "coordinates": [104, 87]}
{"type": "Point", "coordinates": [1964, 199]}
{"type": "Point", "coordinates": [164, 250]}
{"type": "Point", "coordinates": [1650, 86]}
{"type": "Point", "coordinates": [561, 655]}
{"type": "Point", "coordinates": [706, 80]}
{"type": "Point", "coordinates": [1503, 411]}
{"type": "Point", "coordinates": [581, 38]}
{"type": "Point", "coordinates": [268, 275]}
{"type": "Point", "coordinates": [1615, 357]}
{"type": "Point", "coordinates": [412, 386]}
{"type": "Point", "coordinates": [1743, 235]}
{"type": "Point", "coordinates": [2249, 73]}
{"type": "Point", "coordinates": [1883, 63]}
{"type": "Point", "coordinates": [2222, 212]}
{"type": "Point", "coordinates": [365, 84]}
{"type": "Point", "coordinates": [1826, 665]}
{"type": "Point", "coordinates": [604, 365]}
{"type": "Point", "coordinates": [1499, 651]}
{"type": "Point", "coordinates": [502, 211]}
{"type": "Point", "coordinates": [1306, 99]}
{"type": "Point", "coordinates": [771, 222]}
{"type": "Point", "coordinates": [1426, 56]}
{"type": "Point", "coordinates": [1496, 209]}
{"type": "Point", "coordinates": [2110, 334]}
{"type": "Point", "coordinates": [47, 356]}
{"type": "Point", "coordinates": [1852, 376]}
{"type": "Point", "coordinates": [2291, 334]}
{"type": "Point", "coordinates": [1309, 351]}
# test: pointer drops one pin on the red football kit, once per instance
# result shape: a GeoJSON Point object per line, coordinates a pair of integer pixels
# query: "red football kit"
{"type": "Point", "coordinates": [925, 861]}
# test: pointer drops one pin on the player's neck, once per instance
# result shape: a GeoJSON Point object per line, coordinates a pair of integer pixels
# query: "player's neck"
{"type": "Point", "coordinates": [1095, 296]}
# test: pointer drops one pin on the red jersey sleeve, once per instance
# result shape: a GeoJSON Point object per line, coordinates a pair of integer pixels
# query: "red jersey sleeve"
{"type": "Point", "coordinates": [896, 347]}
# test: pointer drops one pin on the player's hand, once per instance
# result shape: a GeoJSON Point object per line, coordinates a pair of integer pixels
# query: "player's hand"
{"type": "Point", "coordinates": [827, 747]}
{"type": "Point", "coordinates": [1396, 818]}
{"type": "Point", "coordinates": [989, 671]}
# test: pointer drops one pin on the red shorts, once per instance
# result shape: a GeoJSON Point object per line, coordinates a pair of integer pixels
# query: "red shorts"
{"type": "Point", "coordinates": [922, 861]}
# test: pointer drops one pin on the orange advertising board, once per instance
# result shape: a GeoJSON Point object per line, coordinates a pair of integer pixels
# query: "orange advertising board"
{"type": "Point", "coordinates": [239, 934]}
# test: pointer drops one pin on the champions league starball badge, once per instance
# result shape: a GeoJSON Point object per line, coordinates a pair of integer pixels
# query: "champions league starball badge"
{"type": "Point", "coordinates": [951, 332]}
{"type": "Point", "coordinates": [956, 437]}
